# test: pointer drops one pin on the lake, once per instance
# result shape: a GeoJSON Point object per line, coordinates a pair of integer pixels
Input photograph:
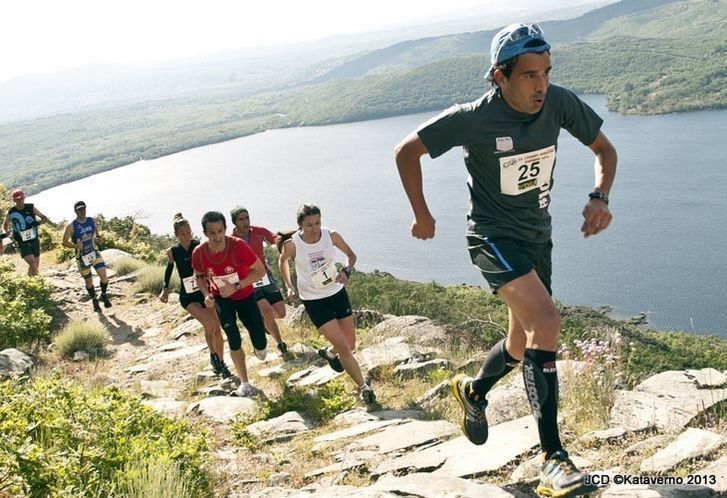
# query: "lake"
{"type": "Point", "coordinates": [664, 253]}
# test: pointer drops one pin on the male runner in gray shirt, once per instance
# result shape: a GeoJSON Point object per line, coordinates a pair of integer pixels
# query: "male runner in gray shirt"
{"type": "Point", "coordinates": [509, 137]}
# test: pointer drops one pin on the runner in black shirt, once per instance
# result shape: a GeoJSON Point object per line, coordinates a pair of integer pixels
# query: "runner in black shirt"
{"type": "Point", "coordinates": [23, 220]}
{"type": "Point", "coordinates": [190, 297]}
{"type": "Point", "coordinates": [509, 137]}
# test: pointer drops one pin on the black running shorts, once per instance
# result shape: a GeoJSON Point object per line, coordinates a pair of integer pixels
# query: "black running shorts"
{"type": "Point", "coordinates": [502, 260]}
{"type": "Point", "coordinates": [186, 299]}
{"type": "Point", "coordinates": [31, 247]}
{"type": "Point", "coordinates": [270, 293]}
{"type": "Point", "coordinates": [335, 307]}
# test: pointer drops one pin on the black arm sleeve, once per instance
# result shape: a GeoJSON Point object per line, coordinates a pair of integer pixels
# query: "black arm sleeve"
{"type": "Point", "coordinates": [168, 274]}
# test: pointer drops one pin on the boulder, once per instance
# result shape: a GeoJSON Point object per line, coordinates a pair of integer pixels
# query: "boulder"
{"type": "Point", "coordinates": [668, 401]}
{"type": "Point", "coordinates": [392, 351]}
{"type": "Point", "coordinates": [190, 327]}
{"type": "Point", "coordinates": [167, 406]}
{"type": "Point", "coordinates": [280, 428]}
{"type": "Point", "coordinates": [718, 469]}
{"type": "Point", "coordinates": [223, 408]}
{"type": "Point", "coordinates": [426, 485]}
{"type": "Point", "coordinates": [14, 363]}
{"type": "Point", "coordinates": [459, 457]}
{"type": "Point", "coordinates": [111, 256]}
{"type": "Point", "coordinates": [313, 376]}
{"type": "Point", "coordinates": [418, 328]}
{"type": "Point", "coordinates": [692, 443]}
{"type": "Point", "coordinates": [406, 435]}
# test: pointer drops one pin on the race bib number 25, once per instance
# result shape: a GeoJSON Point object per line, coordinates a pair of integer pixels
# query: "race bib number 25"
{"type": "Point", "coordinates": [525, 172]}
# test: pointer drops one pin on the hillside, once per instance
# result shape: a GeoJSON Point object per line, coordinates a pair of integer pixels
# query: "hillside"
{"type": "Point", "coordinates": [648, 56]}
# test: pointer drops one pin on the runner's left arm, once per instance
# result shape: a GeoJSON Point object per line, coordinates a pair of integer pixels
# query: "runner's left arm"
{"type": "Point", "coordinates": [43, 218]}
{"type": "Point", "coordinates": [596, 214]}
{"type": "Point", "coordinates": [350, 255]}
{"type": "Point", "coordinates": [255, 272]}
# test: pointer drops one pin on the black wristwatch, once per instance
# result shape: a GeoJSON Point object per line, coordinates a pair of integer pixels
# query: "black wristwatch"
{"type": "Point", "coordinates": [347, 271]}
{"type": "Point", "coordinates": [598, 195]}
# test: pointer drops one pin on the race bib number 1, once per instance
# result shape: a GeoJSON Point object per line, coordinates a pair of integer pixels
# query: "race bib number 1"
{"type": "Point", "coordinates": [190, 284]}
{"type": "Point", "coordinates": [524, 172]}
{"type": "Point", "coordinates": [28, 234]}
{"type": "Point", "coordinates": [325, 275]}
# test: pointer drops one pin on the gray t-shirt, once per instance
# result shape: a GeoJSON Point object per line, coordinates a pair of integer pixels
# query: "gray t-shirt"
{"type": "Point", "coordinates": [510, 157]}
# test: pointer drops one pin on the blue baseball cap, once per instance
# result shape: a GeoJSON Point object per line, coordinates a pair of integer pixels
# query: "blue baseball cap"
{"type": "Point", "coordinates": [517, 39]}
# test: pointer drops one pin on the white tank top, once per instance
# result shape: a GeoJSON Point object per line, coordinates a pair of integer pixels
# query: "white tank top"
{"type": "Point", "coordinates": [315, 266]}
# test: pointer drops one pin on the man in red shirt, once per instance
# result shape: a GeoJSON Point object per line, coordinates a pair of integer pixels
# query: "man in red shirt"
{"type": "Point", "coordinates": [226, 268]}
{"type": "Point", "coordinates": [267, 294]}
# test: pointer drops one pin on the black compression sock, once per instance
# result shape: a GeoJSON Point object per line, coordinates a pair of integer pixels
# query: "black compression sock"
{"type": "Point", "coordinates": [104, 286]}
{"type": "Point", "coordinates": [541, 385]}
{"type": "Point", "coordinates": [497, 364]}
{"type": "Point", "coordinates": [91, 292]}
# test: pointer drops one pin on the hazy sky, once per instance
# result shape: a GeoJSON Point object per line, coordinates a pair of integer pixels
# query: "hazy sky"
{"type": "Point", "coordinates": [50, 35]}
{"type": "Point", "coordinates": [44, 36]}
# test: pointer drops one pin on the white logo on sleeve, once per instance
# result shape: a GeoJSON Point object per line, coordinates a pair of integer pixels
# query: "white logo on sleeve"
{"type": "Point", "coordinates": [503, 144]}
{"type": "Point", "coordinates": [525, 172]}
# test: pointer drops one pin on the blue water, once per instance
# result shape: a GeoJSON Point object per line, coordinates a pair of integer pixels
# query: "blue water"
{"type": "Point", "coordinates": [664, 253]}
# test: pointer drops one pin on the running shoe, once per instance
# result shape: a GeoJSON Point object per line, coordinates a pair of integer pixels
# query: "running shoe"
{"type": "Point", "coordinates": [474, 422]}
{"type": "Point", "coordinates": [559, 476]}
{"type": "Point", "coordinates": [218, 366]}
{"type": "Point", "coordinates": [260, 353]}
{"type": "Point", "coordinates": [245, 390]}
{"type": "Point", "coordinates": [105, 300]}
{"type": "Point", "coordinates": [96, 306]}
{"type": "Point", "coordinates": [333, 360]}
{"type": "Point", "coordinates": [283, 348]}
{"type": "Point", "coordinates": [367, 394]}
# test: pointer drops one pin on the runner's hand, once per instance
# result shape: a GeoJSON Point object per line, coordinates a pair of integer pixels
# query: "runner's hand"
{"type": "Point", "coordinates": [341, 278]}
{"type": "Point", "coordinates": [164, 296]}
{"type": "Point", "coordinates": [209, 301]}
{"type": "Point", "coordinates": [79, 246]}
{"type": "Point", "coordinates": [423, 228]}
{"type": "Point", "coordinates": [596, 216]}
{"type": "Point", "coordinates": [290, 295]}
{"type": "Point", "coordinates": [227, 290]}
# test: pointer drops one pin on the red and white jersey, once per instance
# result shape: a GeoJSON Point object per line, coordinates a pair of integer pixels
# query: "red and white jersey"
{"type": "Point", "coordinates": [230, 265]}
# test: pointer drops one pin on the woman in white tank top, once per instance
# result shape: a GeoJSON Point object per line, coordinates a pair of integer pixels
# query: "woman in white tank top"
{"type": "Point", "coordinates": [321, 288]}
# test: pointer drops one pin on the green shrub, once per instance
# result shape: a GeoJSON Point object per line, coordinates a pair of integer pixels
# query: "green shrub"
{"type": "Point", "coordinates": [154, 479]}
{"type": "Point", "coordinates": [151, 280]}
{"type": "Point", "coordinates": [126, 265]}
{"type": "Point", "coordinates": [62, 439]}
{"type": "Point", "coordinates": [128, 235]}
{"type": "Point", "coordinates": [25, 308]}
{"type": "Point", "coordinates": [81, 336]}
{"type": "Point", "coordinates": [320, 405]}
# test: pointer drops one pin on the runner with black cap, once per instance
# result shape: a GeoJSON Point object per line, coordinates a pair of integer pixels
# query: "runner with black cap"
{"type": "Point", "coordinates": [80, 235]}
{"type": "Point", "coordinates": [24, 220]}
{"type": "Point", "coordinates": [510, 139]}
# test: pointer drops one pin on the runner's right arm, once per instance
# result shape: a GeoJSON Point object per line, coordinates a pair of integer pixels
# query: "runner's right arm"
{"type": "Point", "coordinates": [408, 161]}
{"type": "Point", "coordinates": [287, 253]}
{"type": "Point", "coordinates": [67, 238]}
{"type": "Point", "coordinates": [164, 296]}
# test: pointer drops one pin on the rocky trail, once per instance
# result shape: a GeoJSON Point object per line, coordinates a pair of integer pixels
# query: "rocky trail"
{"type": "Point", "coordinates": [408, 444]}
